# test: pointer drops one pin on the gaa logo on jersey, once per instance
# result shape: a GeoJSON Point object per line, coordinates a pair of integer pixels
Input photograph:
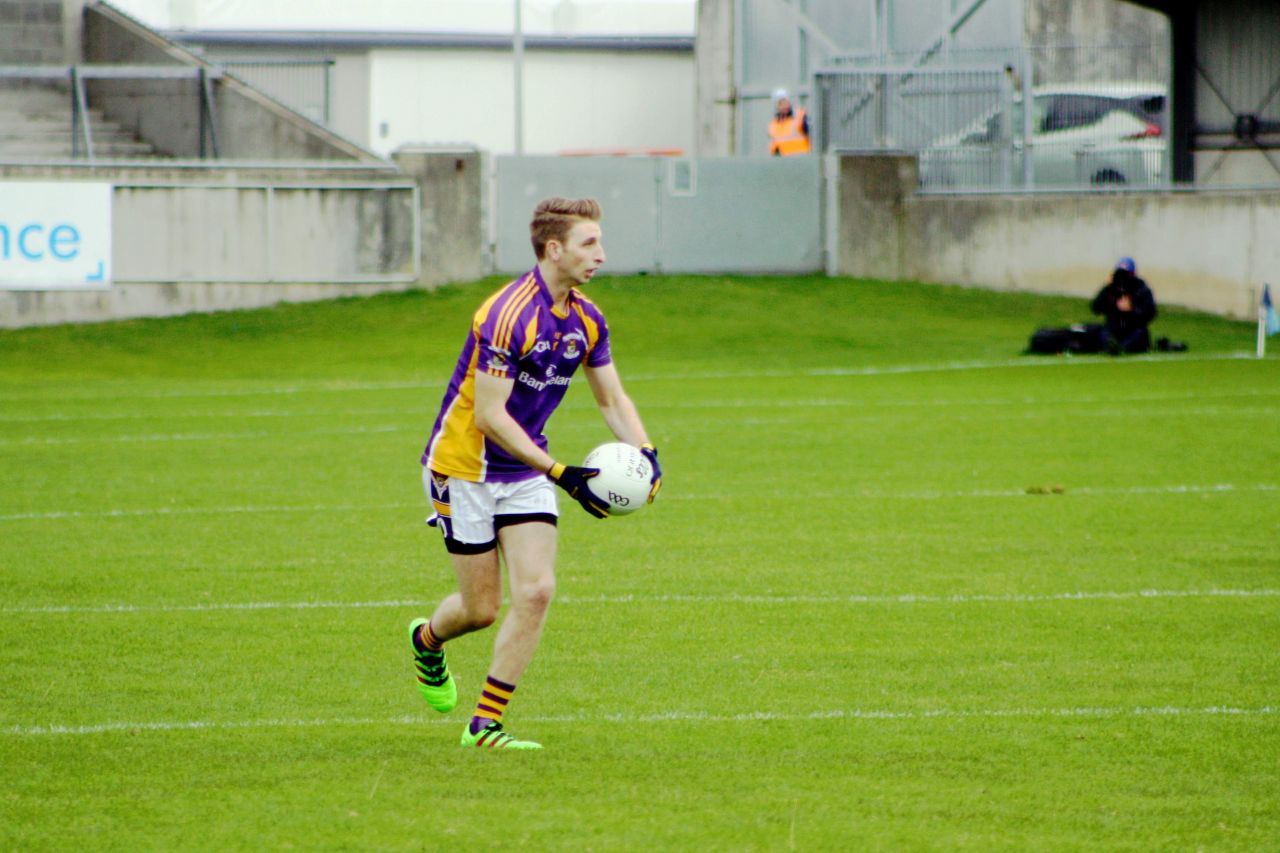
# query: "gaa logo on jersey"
{"type": "Point", "coordinates": [571, 343]}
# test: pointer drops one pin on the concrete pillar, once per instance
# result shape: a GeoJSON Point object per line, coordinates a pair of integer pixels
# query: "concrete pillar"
{"type": "Point", "coordinates": [869, 207]}
{"type": "Point", "coordinates": [72, 32]}
{"type": "Point", "coordinates": [451, 192]}
{"type": "Point", "coordinates": [717, 96]}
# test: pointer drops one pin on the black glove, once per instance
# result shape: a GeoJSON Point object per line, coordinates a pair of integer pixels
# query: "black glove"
{"type": "Point", "coordinates": [574, 481]}
{"type": "Point", "coordinates": [655, 482]}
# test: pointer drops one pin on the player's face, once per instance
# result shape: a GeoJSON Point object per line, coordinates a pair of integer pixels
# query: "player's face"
{"type": "Point", "coordinates": [581, 254]}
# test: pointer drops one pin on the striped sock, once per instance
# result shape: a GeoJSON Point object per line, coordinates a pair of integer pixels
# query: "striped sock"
{"type": "Point", "coordinates": [425, 640]}
{"type": "Point", "coordinates": [493, 702]}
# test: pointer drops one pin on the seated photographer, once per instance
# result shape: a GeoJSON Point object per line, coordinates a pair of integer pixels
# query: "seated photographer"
{"type": "Point", "coordinates": [1129, 306]}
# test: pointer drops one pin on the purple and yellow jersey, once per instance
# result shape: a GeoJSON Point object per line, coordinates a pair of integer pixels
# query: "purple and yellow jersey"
{"type": "Point", "coordinates": [517, 334]}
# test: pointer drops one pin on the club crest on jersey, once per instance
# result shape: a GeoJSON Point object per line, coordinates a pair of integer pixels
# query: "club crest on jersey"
{"type": "Point", "coordinates": [572, 342]}
{"type": "Point", "coordinates": [499, 358]}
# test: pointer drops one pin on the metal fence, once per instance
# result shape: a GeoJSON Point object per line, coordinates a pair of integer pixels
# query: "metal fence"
{"type": "Point", "coordinates": [902, 108]}
{"type": "Point", "coordinates": [302, 85]}
{"type": "Point", "coordinates": [1097, 118]}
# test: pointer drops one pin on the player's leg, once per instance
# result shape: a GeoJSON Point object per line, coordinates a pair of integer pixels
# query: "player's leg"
{"type": "Point", "coordinates": [464, 513]}
{"type": "Point", "coordinates": [529, 550]}
{"type": "Point", "coordinates": [530, 553]}
{"type": "Point", "coordinates": [473, 607]}
{"type": "Point", "coordinates": [525, 523]}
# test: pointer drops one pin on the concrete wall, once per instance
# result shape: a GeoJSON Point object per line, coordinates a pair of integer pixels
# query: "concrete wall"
{"type": "Point", "coordinates": [265, 232]}
{"type": "Point", "coordinates": [184, 236]}
{"type": "Point", "coordinates": [213, 239]}
{"type": "Point", "coordinates": [186, 247]}
{"type": "Point", "coordinates": [1092, 23]}
{"type": "Point", "coordinates": [45, 307]}
{"type": "Point", "coordinates": [1205, 250]}
{"type": "Point", "coordinates": [31, 32]}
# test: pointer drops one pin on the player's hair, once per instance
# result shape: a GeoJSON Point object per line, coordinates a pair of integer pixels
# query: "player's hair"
{"type": "Point", "coordinates": [554, 217]}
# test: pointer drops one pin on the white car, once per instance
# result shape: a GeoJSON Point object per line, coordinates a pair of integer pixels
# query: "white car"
{"type": "Point", "coordinates": [1102, 134]}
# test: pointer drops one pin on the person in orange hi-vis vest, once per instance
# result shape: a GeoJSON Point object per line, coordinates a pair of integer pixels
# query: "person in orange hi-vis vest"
{"type": "Point", "coordinates": [789, 130]}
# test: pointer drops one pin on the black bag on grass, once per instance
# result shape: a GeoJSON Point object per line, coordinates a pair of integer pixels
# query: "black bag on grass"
{"type": "Point", "coordinates": [1080, 338]}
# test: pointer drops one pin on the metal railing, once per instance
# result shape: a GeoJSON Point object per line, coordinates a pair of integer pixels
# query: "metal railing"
{"type": "Point", "coordinates": [76, 75]}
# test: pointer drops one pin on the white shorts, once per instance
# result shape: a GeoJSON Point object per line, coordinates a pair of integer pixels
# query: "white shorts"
{"type": "Point", "coordinates": [471, 514]}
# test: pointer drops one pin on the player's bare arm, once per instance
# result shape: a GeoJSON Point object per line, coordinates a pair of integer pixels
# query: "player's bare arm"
{"type": "Point", "coordinates": [621, 416]}
{"type": "Point", "coordinates": [493, 419]}
{"type": "Point", "coordinates": [615, 406]}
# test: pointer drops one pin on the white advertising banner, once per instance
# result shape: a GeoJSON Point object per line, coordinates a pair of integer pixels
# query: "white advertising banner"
{"type": "Point", "coordinates": [55, 236]}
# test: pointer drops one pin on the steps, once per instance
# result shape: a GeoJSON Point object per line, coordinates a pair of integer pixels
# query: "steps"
{"type": "Point", "coordinates": [35, 125]}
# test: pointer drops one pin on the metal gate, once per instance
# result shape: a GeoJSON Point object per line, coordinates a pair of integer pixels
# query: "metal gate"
{"type": "Point", "coordinates": [961, 121]}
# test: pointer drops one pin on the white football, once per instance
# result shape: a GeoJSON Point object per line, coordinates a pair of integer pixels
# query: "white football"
{"type": "Point", "coordinates": [624, 475]}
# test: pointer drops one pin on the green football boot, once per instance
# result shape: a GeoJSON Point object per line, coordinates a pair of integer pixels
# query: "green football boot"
{"type": "Point", "coordinates": [435, 682]}
{"type": "Point", "coordinates": [493, 737]}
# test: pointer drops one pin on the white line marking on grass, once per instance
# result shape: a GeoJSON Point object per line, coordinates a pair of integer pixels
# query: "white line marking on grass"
{"type": "Point", "coordinates": [332, 387]}
{"type": "Point", "coordinates": [215, 607]}
{"type": "Point", "coordinates": [37, 441]}
{"type": "Point", "coordinates": [943, 367]}
{"type": "Point", "coordinates": [665, 717]}
{"type": "Point", "coordinates": [1176, 489]}
{"type": "Point", "coordinates": [672, 598]}
{"type": "Point", "coordinates": [318, 387]}
{"type": "Point", "coordinates": [211, 510]}
{"type": "Point", "coordinates": [224, 415]}
{"type": "Point", "coordinates": [703, 403]}
{"type": "Point", "coordinates": [790, 406]}
{"type": "Point", "coordinates": [911, 598]}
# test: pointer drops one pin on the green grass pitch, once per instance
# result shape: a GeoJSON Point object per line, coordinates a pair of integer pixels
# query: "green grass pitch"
{"type": "Point", "coordinates": [904, 588]}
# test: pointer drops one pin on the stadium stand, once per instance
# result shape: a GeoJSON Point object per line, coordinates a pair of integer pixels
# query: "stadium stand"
{"type": "Point", "coordinates": [220, 197]}
{"type": "Point", "coordinates": [39, 123]}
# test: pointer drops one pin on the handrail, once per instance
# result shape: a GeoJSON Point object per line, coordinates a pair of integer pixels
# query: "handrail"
{"type": "Point", "coordinates": [80, 115]}
{"type": "Point", "coordinates": [75, 75]}
{"type": "Point", "coordinates": [106, 72]}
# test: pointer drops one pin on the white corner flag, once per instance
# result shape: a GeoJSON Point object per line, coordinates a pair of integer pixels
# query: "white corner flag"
{"type": "Point", "coordinates": [1268, 322]}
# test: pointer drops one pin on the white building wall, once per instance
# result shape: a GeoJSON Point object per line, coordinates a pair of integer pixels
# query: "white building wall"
{"type": "Point", "coordinates": [538, 17]}
{"type": "Point", "coordinates": [349, 110]}
{"type": "Point", "coordinates": [573, 100]}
